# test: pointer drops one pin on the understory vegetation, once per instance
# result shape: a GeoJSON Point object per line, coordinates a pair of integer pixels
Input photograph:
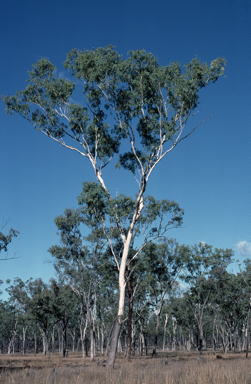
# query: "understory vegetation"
{"type": "Point", "coordinates": [168, 368]}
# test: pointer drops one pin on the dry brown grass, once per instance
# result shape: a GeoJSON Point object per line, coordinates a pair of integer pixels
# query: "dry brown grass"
{"type": "Point", "coordinates": [181, 368]}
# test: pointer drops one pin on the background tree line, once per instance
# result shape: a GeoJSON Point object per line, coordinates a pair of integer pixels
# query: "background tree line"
{"type": "Point", "coordinates": [177, 297]}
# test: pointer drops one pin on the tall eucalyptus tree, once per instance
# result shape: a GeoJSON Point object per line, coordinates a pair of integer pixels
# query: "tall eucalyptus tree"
{"type": "Point", "coordinates": [150, 105]}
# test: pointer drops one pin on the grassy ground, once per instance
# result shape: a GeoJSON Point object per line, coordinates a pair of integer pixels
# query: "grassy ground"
{"type": "Point", "coordinates": [167, 368]}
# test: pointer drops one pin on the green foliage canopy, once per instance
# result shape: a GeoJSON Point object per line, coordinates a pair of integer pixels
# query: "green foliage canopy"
{"type": "Point", "coordinates": [137, 92]}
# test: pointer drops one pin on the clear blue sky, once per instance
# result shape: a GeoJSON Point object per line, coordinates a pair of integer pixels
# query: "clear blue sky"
{"type": "Point", "coordinates": [208, 174]}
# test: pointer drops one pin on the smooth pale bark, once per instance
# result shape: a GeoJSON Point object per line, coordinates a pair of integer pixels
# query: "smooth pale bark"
{"type": "Point", "coordinates": [24, 336]}
{"type": "Point", "coordinates": [122, 269]}
{"type": "Point", "coordinates": [82, 329]}
{"type": "Point", "coordinates": [91, 324]}
{"type": "Point", "coordinates": [174, 334]}
{"type": "Point", "coordinates": [45, 342]}
{"type": "Point", "coordinates": [129, 321]}
{"type": "Point", "coordinates": [98, 339]}
{"type": "Point", "coordinates": [120, 349]}
{"type": "Point", "coordinates": [11, 343]}
{"type": "Point", "coordinates": [93, 342]}
{"type": "Point", "coordinates": [164, 337]}
{"type": "Point", "coordinates": [122, 284]}
{"type": "Point", "coordinates": [102, 340]}
{"type": "Point", "coordinates": [157, 325]}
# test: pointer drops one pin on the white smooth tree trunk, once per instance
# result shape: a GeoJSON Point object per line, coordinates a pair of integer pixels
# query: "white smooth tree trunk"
{"type": "Point", "coordinates": [12, 340]}
{"type": "Point", "coordinates": [164, 337]}
{"type": "Point", "coordinates": [24, 336]}
{"type": "Point", "coordinates": [102, 340]}
{"type": "Point", "coordinates": [82, 336]}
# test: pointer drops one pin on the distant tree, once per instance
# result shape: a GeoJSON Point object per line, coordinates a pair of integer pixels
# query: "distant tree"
{"type": "Point", "coordinates": [150, 106]}
{"type": "Point", "coordinates": [163, 263]}
{"type": "Point", "coordinates": [201, 262]}
{"type": "Point", "coordinates": [39, 306]}
{"type": "Point", "coordinates": [64, 303]}
{"type": "Point", "coordinates": [77, 260]}
{"type": "Point", "coordinates": [180, 315]}
{"type": "Point", "coordinates": [246, 276]}
{"type": "Point", "coordinates": [8, 326]}
{"type": "Point", "coordinates": [230, 303]}
{"type": "Point", "coordinates": [17, 291]}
